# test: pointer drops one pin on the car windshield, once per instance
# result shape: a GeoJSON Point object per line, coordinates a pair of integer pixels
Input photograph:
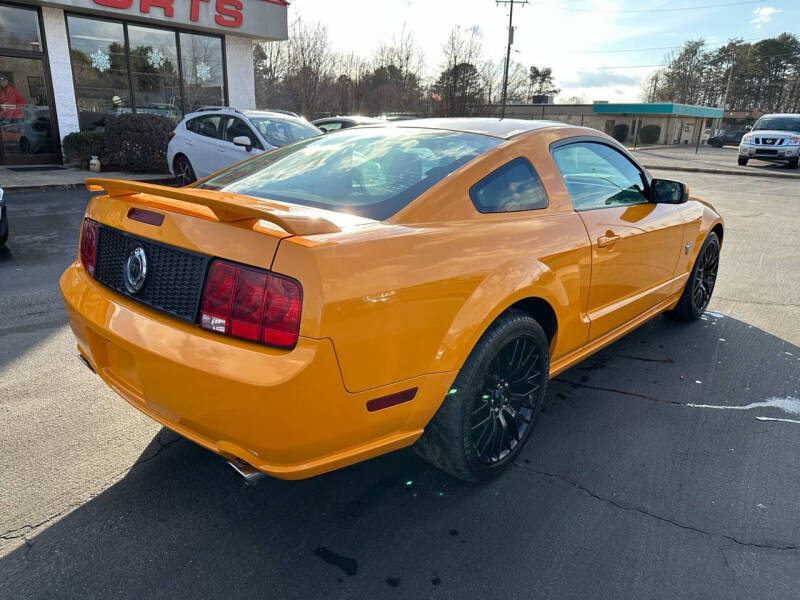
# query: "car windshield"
{"type": "Point", "coordinates": [778, 123]}
{"type": "Point", "coordinates": [372, 172]}
{"type": "Point", "coordinates": [279, 132]}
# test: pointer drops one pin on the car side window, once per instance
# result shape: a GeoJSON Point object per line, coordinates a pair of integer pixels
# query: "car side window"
{"type": "Point", "coordinates": [597, 176]}
{"type": "Point", "coordinates": [333, 126]}
{"type": "Point", "coordinates": [207, 126]}
{"type": "Point", "coordinates": [513, 187]}
{"type": "Point", "coordinates": [235, 127]}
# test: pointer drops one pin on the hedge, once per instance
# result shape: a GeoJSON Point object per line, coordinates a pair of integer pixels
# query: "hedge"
{"type": "Point", "coordinates": [80, 147]}
{"type": "Point", "coordinates": [136, 143]}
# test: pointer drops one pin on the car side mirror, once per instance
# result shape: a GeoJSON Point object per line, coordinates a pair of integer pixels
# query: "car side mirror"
{"type": "Point", "coordinates": [664, 191]}
{"type": "Point", "coordinates": [243, 141]}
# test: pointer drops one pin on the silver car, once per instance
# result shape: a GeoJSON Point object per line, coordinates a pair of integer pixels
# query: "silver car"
{"type": "Point", "coordinates": [774, 138]}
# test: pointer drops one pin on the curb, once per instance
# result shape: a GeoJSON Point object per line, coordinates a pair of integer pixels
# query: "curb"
{"type": "Point", "coordinates": [60, 187]}
{"type": "Point", "coordinates": [767, 174]}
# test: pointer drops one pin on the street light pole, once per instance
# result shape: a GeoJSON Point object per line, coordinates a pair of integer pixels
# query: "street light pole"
{"type": "Point", "coordinates": [511, 4]}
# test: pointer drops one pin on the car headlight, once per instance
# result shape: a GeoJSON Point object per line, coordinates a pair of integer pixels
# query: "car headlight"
{"type": "Point", "coordinates": [746, 139]}
{"type": "Point", "coordinates": [793, 141]}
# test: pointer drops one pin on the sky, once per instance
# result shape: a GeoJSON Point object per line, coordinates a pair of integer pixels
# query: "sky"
{"type": "Point", "coordinates": [578, 39]}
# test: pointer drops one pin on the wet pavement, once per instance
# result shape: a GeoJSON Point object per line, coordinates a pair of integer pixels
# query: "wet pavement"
{"type": "Point", "coordinates": [664, 466]}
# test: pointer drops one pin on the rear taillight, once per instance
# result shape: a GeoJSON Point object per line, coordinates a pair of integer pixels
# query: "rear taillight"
{"type": "Point", "coordinates": [89, 245]}
{"type": "Point", "coordinates": [251, 304]}
{"type": "Point", "coordinates": [170, 135]}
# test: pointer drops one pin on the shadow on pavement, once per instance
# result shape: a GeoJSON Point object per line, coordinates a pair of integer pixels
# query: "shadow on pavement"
{"type": "Point", "coordinates": [625, 490]}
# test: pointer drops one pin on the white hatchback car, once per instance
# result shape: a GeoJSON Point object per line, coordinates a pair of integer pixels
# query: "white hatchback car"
{"type": "Point", "coordinates": [212, 138]}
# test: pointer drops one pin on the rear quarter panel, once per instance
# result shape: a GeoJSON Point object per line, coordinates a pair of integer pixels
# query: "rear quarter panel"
{"type": "Point", "coordinates": [413, 296]}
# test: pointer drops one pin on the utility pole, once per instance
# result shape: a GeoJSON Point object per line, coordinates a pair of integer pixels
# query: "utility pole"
{"type": "Point", "coordinates": [511, 4]}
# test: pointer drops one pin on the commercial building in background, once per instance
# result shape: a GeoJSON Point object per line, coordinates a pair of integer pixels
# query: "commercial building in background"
{"type": "Point", "coordinates": [662, 123]}
{"type": "Point", "coordinates": [67, 65]}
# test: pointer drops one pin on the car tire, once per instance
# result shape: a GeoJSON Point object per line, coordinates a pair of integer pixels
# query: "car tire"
{"type": "Point", "coordinates": [794, 163]}
{"type": "Point", "coordinates": [478, 432]}
{"type": "Point", "coordinates": [184, 173]}
{"type": "Point", "coordinates": [3, 228]}
{"type": "Point", "coordinates": [700, 285]}
{"type": "Point", "coordinates": [742, 162]}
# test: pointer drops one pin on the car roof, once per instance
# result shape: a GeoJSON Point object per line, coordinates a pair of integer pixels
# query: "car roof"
{"type": "Point", "coordinates": [354, 118]}
{"type": "Point", "coordinates": [499, 128]}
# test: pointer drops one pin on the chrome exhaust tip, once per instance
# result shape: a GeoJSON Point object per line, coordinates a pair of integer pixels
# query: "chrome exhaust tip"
{"type": "Point", "coordinates": [86, 363]}
{"type": "Point", "coordinates": [246, 471]}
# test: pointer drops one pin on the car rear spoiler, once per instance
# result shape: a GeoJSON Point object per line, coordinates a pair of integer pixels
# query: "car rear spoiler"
{"type": "Point", "coordinates": [228, 208]}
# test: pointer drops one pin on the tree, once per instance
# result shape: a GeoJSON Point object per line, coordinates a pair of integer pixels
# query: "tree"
{"type": "Point", "coordinates": [541, 83]}
{"type": "Point", "coordinates": [460, 84]}
{"type": "Point", "coordinates": [740, 75]}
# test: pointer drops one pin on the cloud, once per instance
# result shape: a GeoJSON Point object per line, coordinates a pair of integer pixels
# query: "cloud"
{"type": "Point", "coordinates": [600, 78]}
{"type": "Point", "coordinates": [763, 15]}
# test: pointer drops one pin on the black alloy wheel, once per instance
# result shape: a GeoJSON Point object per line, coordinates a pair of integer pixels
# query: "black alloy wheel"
{"type": "Point", "coordinates": [506, 408]}
{"type": "Point", "coordinates": [184, 174]}
{"type": "Point", "coordinates": [700, 285]}
{"type": "Point", "coordinates": [491, 409]}
{"type": "Point", "coordinates": [705, 275]}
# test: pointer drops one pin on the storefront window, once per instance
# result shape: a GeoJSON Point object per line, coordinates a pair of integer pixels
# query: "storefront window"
{"type": "Point", "coordinates": [154, 64]}
{"type": "Point", "coordinates": [100, 70]}
{"type": "Point", "coordinates": [203, 72]}
{"type": "Point", "coordinates": [102, 52]}
{"type": "Point", "coordinates": [19, 29]}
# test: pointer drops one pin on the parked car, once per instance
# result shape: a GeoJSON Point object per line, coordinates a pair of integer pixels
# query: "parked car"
{"type": "Point", "coordinates": [32, 134]}
{"type": "Point", "coordinates": [213, 138]}
{"type": "Point", "coordinates": [774, 138]}
{"type": "Point", "coordinates": [730, 137]}
{"type": "Point", "coordinates": [413, 283]}
{"type": "Point", "coordinates": [3, 219]}
{"type": "Point", "coordinates": [329, 124]}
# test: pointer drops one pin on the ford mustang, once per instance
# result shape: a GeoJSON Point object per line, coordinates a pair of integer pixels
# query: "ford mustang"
{"type": "Point", "coordinates": [412, 283]}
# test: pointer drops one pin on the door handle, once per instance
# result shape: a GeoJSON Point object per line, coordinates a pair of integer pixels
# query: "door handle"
{"type": "Point", "coordinates": [605, 241]}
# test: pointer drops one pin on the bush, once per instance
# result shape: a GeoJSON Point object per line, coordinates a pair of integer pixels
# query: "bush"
{"type": "Point", "coordinates": [80, 147]}
{"type": "Point", "coordinates": [136, 143]}
{"type": "Point", "coordinates": [649, 134]}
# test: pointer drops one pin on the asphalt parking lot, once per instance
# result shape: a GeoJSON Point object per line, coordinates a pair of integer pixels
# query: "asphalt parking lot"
{"type": "Point", "coordinates": [663, 467]}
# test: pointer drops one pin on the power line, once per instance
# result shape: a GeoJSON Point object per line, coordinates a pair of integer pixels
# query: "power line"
{"type": "Point", "coordinates": [661, 10]}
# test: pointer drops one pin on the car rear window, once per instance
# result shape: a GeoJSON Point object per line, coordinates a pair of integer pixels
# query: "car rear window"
{"type": "Point", "coordinates": [372, 172]}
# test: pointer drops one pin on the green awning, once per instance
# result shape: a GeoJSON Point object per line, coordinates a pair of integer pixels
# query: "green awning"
{"type": "Point", "coordinates": [665, 109]}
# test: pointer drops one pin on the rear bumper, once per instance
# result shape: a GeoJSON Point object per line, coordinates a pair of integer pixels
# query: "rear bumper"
{"type": "Point", "coordinates": [285, 412]}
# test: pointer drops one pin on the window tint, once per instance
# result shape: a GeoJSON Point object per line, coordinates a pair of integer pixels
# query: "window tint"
{"type": "Point", "coordinates": [512, 187]}
{"type": "Point", "coordinates": [20, 29]}
{"type": "Point", "coordinates": [597, 176]}
{"type": "Point", "coordinates": [371, 172]}
{"type": "Point", "coordinates": [207, 126]}
{"type": "Point", "coordinates": [236, 127]}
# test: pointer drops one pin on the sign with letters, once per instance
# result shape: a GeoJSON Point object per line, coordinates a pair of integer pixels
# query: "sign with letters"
{"type": "Point", "coordinates": [264, 19]}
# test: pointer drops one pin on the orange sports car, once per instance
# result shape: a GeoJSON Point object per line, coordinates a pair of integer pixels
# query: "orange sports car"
{"type": "Point", "coordinates": [394, 284]}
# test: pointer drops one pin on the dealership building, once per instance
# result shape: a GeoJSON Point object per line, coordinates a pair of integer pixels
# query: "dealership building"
{"type": "Point", "coordinates": [67, 65]}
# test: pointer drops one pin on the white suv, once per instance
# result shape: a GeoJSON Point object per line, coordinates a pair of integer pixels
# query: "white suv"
{"type": "Point", "coordinates": [214, 137]}
{"type": "Point", "coordinates": [775, 138]}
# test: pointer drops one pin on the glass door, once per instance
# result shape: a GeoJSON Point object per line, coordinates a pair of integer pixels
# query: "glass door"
{"type": "Point", "coordinates": [26, 124]}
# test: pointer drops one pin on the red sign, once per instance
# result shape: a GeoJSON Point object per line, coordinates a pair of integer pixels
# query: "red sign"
{"type": "Point", "coordinates": [229, 12]}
